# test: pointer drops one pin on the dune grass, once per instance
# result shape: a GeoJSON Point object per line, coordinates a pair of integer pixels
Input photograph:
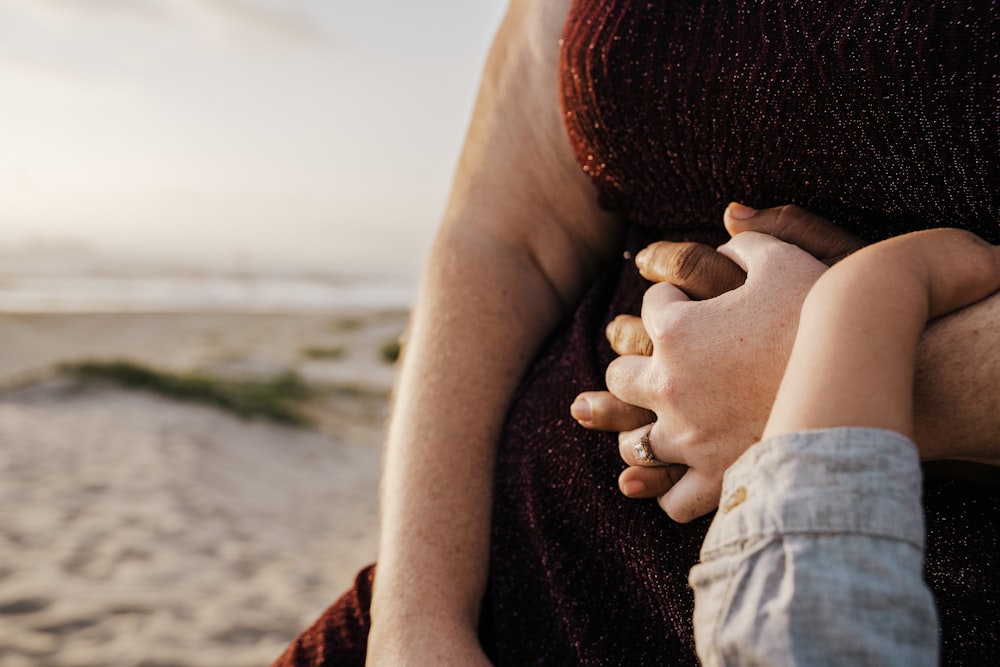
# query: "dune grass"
{"type": "Point", "coordinates": [320, 352]}
{"type": "Point", "coordinates": [390, 351]}
{"type": "Point", "coordinates": [275, 398]}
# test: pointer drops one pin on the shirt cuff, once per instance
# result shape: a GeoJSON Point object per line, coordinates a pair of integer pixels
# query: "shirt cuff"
{"type": "Point", "coordinates": [856, 480]}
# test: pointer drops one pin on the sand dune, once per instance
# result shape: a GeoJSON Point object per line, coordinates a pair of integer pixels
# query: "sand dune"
{"type": "Point", "coordinates": [136, 530]}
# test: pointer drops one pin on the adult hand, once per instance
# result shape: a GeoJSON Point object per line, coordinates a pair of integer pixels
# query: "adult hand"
{"type": "Point", "coordinates": [714, 369]}
{"type": "Point", "coordinates": [703, 273]}
{"type": "Point", "coordinates": [700, 272]}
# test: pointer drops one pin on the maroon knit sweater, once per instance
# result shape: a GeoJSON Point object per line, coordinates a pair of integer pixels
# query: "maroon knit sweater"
{"type": "Point", "coordinates": [883, 116]}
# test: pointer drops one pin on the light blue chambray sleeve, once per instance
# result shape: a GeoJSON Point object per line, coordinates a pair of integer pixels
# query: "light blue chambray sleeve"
{"type": "Point", "coordinates": [816, 556]}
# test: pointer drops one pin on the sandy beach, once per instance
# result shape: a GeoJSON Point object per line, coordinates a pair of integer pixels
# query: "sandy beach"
{"type": "Point", "coordinates": [141, 530]}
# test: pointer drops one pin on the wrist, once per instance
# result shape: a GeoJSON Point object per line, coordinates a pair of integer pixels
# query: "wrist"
{"type": "Point", "coordinates": [422, 638]}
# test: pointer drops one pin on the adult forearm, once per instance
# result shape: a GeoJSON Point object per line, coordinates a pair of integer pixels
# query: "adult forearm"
{"type": "Point", "coordinates": [956, 403]}
{"type": "Point", "coordinates": [521, 237]}
{"type": "Point", "coordinates": [482, 312]}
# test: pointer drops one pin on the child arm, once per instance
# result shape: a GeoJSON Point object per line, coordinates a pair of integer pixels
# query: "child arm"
{"type": "Point", "coordinates": [852, 362]}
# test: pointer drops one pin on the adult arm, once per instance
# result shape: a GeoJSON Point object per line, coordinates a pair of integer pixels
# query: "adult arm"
{"type": "Point", "coordinates": [521, 236]}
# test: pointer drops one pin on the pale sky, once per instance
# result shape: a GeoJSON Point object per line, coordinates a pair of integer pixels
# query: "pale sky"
{"type": "Point", "coordinates": [320, 132]}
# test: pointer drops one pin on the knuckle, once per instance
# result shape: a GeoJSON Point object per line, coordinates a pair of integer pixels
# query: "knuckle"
{"type": "Point", "coordinates": [613, 375]}
{"type": "Point", "coordinates": [788, 211]}
{"type": "Point", "coordinates": [669, 331]}
{"type": "Point", "coordinates": [679, 512]}
{"type": "Point", "coordinates": [669, 389]}
{"type": "Point", "coordinates": [627, 335]}
{"type": "Point", "coordinates": [785, 217]}
{"type": "Point", "coordinates": [646, 347]}
{"type": "Point", "coordinates": [685, 262]}
{"type": "Point", "coordinates": [637, 341]}
{"type": "Point", "coordinates": [620, 377]}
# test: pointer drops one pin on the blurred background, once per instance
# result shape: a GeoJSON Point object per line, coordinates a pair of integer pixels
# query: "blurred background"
{"type": "Point", "coordinates": [227, 136]}
{"type": "Point", "coordinates": [212, 219]}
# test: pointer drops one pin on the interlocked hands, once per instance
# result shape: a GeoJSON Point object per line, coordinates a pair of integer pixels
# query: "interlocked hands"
{"type": "Point", "coordinates": [707, 355]}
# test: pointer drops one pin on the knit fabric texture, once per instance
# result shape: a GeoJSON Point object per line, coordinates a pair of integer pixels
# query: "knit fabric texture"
{"type": "Point", "coordinates": [883, 116]}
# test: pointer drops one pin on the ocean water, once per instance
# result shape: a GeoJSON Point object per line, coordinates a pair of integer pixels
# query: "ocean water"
{"type": "Point", "coordinates": [82, 283]}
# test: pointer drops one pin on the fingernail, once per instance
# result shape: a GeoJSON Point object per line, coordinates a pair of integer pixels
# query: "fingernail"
{"type": "Point", "coordinates": [741, 211]}
{"type": "Point", "coordinates": [581, 410]}
{"type": "Point", "coordinates": [633, 488]}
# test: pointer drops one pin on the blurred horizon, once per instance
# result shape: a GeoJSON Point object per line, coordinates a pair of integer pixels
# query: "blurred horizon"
{"type": "Point", "coordinates": [233, 135]}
